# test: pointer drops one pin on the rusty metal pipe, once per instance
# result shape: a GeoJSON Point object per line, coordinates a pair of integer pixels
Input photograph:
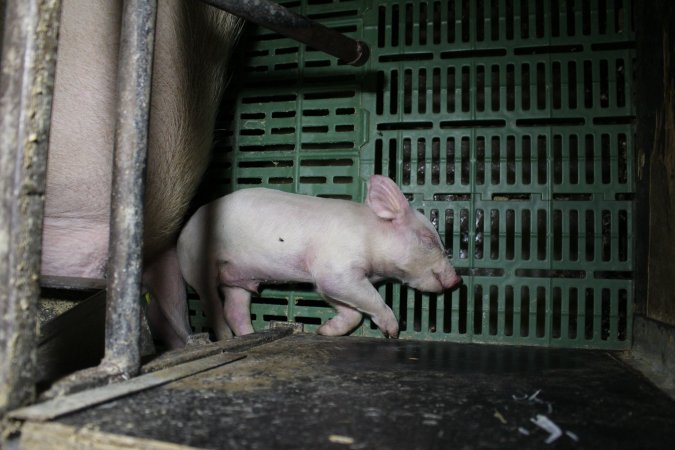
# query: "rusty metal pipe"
{"type": "Point", "coordinates": [29, 44]}
{"type": "Point", "coordinates": [122, 352]}
{"type": "Point", "coordinates": [277, 18]}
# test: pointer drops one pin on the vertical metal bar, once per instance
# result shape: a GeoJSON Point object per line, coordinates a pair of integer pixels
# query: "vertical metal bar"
{"type": "Point", "coordinates": [126, 222]}
{"type": "Point", "coordinates": [26, 86]}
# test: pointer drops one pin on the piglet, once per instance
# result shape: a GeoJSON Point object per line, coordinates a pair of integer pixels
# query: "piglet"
{"type": "Point", "coordinates": [260, 236]}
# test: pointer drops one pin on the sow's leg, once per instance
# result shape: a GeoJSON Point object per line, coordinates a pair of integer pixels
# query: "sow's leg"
{"type": "Point", "coordinates": [193, 43]}
{"type": "Point", "coordinates": [192, 51]}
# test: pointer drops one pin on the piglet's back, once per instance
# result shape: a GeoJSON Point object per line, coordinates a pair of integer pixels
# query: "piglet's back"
{"type": "Point", "coordinates": [252, 217]}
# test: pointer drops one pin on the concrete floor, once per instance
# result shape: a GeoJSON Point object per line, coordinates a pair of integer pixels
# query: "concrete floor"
{"type": "Point", "coordinates": [306, 391]}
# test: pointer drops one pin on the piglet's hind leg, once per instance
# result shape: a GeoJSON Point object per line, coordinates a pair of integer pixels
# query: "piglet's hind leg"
{"type": "Point", "coordinates": [207, 289]}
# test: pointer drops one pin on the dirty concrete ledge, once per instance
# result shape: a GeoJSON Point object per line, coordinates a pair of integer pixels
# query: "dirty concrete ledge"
{"type": "Point", "coordinates": [308, 392]}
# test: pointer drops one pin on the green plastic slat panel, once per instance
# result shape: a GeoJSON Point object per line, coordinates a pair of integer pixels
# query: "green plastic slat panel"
{"type": "Point", "coordinates": [508, 123]}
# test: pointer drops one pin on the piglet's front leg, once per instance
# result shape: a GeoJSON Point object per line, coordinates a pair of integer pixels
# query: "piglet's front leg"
{"type": "Point", "coordinates": [237, 310]}
{"type": "Point", "coordinates": [355, 292]}
{"type": "Point", "coordinates": [346, 319]}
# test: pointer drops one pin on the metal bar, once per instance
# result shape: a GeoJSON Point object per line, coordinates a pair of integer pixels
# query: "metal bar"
{"type": "Point", "coordinates": [122, 353]}
{"type": "Point", "coordinates": [29, 44]}
{"type": "Point", "coordinates": [270, 15]}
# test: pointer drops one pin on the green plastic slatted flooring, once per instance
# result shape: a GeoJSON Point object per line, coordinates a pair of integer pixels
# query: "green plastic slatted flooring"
{"type": "Point", "coordinates": [508, 123]}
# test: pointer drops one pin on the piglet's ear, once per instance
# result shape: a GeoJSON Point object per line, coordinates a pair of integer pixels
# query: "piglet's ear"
{"type": "Point", "coordinates": [385, 198]}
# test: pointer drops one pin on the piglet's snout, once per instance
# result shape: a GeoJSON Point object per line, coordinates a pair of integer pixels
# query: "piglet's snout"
{"type": "Point", "coordinates": [455, 281]}
{"type": "Point", "coordinates": [448, 280]}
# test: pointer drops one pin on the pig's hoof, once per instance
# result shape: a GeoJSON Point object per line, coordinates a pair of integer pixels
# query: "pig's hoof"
{"type": "Point", "coordinates": [391, 335]}
{"type": "Point", "coordinates": [388, 327]}
{"type": "Point", "coordinates": [392, 332]}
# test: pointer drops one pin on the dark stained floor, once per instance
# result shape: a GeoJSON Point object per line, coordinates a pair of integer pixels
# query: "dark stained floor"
{"type": "Point", "coordinates": [312, 392]}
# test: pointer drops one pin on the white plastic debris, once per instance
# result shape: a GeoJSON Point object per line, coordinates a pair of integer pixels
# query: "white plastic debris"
{"type": "Point", "coordinates": [500, 417]}
{"type": "Point", "coordinates": [547, 425]}
{"type": "Point", "coordinates": [572, 436]}
{"type": "Point", "coordinates": [339, 439]}
{"type": "Point", "coordinates": [533, 397]}
{"type": "Point", "coordinates": [524, 431]}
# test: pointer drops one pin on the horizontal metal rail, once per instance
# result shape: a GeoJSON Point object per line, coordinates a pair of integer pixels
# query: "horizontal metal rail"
{"type": "Point", "coordinates": [270, 15]}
